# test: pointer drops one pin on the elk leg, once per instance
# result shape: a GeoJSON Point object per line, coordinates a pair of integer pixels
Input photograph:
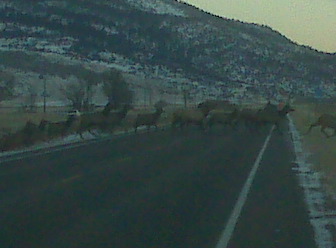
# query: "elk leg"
{"type": "Point", "coordinates": [311, 127]}
{"type": "Point", "coordinates": [93, 133]}
{"type": "Point", "coordinates": [277, 127]}
{"type": "Point", "coordinates": [334, 134]}
{"type": "Point", "coordinates": [210, 123]}
{"type": "Point", "coordinates": [234, 124]}
{"type": "Point", "coordinates": [201, 125]}
{"type": "Point", "coordinates": [80, 134]}
{"type": "Point", "coordinates": [323, 131]}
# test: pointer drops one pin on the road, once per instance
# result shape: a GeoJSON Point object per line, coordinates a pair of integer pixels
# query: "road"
{"type": "Point", "coordinates": [159, 189]}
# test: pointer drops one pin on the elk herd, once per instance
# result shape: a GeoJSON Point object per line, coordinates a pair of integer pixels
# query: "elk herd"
{"type": "Point", "coordinates": [207, 114]}
{"type": "Point", "coordinates": [75, 122]}
{"type": "Point", "coordinates": [215, 112]}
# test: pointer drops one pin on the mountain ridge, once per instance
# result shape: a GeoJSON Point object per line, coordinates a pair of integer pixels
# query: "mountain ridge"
{"type": "Point", "coordinates": [165, 38]}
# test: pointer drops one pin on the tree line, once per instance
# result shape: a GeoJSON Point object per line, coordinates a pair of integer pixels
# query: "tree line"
{"type": "Point", "coordinates": [80, 88]}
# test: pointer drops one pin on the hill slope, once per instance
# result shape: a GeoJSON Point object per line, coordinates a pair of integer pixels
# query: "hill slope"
{"type": "Point", "coordinates": [169, 40]}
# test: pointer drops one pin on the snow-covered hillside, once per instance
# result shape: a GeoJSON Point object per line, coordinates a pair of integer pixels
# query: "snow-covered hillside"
{"type": "Point", "coordinates": [168, 41]}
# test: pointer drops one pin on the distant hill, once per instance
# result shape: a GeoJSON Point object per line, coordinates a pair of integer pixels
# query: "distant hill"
{"type": "Point", "coordinates": [166, 40]}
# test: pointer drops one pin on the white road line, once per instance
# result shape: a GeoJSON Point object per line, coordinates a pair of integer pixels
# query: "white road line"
{"type": "Point", "coordinates": [231, 224]}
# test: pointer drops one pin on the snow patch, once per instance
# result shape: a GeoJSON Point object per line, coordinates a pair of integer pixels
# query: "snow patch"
{"type": "Point", "coordinates": [156, 7]}
{"type": "Point", "coordinates": [196, 31]}
{"type": "Point", "coordinates": [57, 46]}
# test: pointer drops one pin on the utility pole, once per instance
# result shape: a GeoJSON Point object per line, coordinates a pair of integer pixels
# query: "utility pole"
{"type": "Point", "coordinates": [150, 95]}
{"type": "Point", "coordinates": [44, 93]}
{"type": "Point", "coordinates": [145, 96]}
{"type": "Point", "coordinates": [186, 95]}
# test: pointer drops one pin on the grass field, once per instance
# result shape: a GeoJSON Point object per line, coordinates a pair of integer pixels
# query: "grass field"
{"type": "Point", "coordinates": [322, 149]}
{"type": "Point", "coordinates": [12, 119]}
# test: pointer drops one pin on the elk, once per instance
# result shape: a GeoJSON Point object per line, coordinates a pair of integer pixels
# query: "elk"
{"type": "Point", "coordinates": [218, 111]}
{"type": "Point", "coordinates": [247, 116]}
{"type": "Point", "coordinates": [218, 116]}
{"type": "Point", "coordinates": [184, 117]}
{"type": "Point", "coordinates": [217, 104]}
{"type": "Point", "coordinates": [251, 117]}
{"type": "Point", "coordinates": [115, 118]}
{"type": "Point", "coordinates": [272, 116]}
{"type": "Point", "coordinates": [11, 141]}
{"type": "Point", "coordinates": [90, 121]}
{"type": "Point", "coordinates": [325, 121]}
{"type": "Point", "coordinates": [148, 119]}
{"type": "Point", "coordinates": [269, 114]}
{"type": "Point", "coordinates": [270, 107]}
{"type": "Point", "coordinates": [31, 133]}
{"type": "Point", "coordinates": [28, 135]}
{"type": "Point", "coordinates": [58, 129]}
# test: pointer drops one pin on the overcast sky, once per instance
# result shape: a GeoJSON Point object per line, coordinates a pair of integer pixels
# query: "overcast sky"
{"type": "Point", "coordinates": [308, 22]}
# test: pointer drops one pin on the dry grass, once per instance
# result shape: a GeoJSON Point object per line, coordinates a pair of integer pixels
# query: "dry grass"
{"type": "Point", "coordinates": [12, 122]}
{"type": "Point", "coordinates": [323, 149]}
{"type": "Point", "coordinates": [12, 119]}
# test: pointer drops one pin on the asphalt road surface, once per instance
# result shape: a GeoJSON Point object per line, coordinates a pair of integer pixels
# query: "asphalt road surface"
{"type": "Point", "coordinates": [155, 190]}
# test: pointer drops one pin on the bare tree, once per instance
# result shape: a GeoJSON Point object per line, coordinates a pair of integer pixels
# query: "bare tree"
{"type": "Point", "coordinates": [81, 92]}
{"type": "Point", "coordinates": [88, 80]}
{"type": "Point", "coordinates": [74, 92]}
{"type": "Point", "coordinates": [186, 94]}
{"type": "Point", "coordinates": [116, 88]}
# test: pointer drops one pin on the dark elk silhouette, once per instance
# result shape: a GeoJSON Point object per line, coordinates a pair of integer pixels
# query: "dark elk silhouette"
{"type": "Point", "coordinates": [183, 117]}
{"type": "Point", "coordinates": [221, 117]}
{"type": "Point", "coordinates": [90, 121]}
{"type": "Point", "coordinates": [60, 128]}
{"type": "Point", "coordinates": [148, 119]}
{"type": "Point", "coordinates": [115, 119]}
{"type": "Point", "coordinates": [103, 120]}
{"type": "Point", "coordinates": [270, 114]}
{"type": "Point", "coordinates": [28, 135]}
{"type": "Point", "coordinates": [218, 109]}
{"type": "Point", "coordinates": [223, 105]}
{"type": "Point", "coordinates": [325, 121]}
